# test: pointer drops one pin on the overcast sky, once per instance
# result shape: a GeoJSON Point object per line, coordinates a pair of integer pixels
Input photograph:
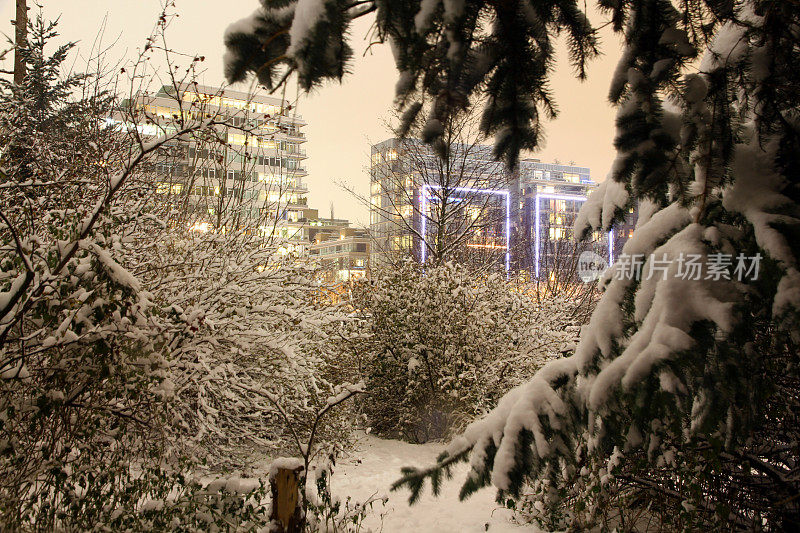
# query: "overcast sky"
{"type": "Point", "coordinates": [343, 120]}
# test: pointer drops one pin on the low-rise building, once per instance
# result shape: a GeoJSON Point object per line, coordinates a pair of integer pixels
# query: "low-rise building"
{"type": "Point", "coordinates": [343, 256]}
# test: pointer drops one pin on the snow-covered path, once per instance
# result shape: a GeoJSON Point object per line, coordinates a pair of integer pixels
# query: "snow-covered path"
{"type": "Point", "coordinates": [380, 465]}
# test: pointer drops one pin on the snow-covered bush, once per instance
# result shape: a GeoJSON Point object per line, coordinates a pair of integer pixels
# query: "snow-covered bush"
{"type": "Point", "coordinates": [132, 351]}
{"type": "Point", "coordinates": [439, 346]}
{"type": "Point", "coordinates": [245, 322]}
{"type": "Point", "coordinates": [82, 359]}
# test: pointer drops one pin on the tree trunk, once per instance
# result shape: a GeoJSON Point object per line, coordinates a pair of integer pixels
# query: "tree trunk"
{"type": "Point", "coordinates": [21, 36]}
{"type": "Point", "coordinates": [286, 512]}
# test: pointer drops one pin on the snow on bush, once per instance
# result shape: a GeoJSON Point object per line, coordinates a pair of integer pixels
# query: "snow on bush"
{"type": "Point", "coordinates": [439, 346]}
{"type": "Point", "coordinates": [135, 354]}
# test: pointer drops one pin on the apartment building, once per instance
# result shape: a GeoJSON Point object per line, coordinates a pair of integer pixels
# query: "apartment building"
{"type": "Point", "coordinates": [550, 196]}
{"type": "Point", "coordinates": [525, 219]}
{"type": "Point", "coordinates": [249, 174]}
{"type": "Point", "coordinates": [421, 206]}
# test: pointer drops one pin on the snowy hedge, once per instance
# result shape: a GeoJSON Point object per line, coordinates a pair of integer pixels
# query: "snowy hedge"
{"type": "Point", "coordinates": [440, 346]}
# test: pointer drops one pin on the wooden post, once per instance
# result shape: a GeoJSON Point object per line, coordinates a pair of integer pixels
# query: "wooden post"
{"type": "Point", "coordinates": [286, 511]}
{"type": "Point", "coordinates": [21, 40]}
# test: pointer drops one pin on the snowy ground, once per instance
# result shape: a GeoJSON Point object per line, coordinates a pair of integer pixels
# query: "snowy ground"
{"type": "Point", "coordinates": [380, 465]}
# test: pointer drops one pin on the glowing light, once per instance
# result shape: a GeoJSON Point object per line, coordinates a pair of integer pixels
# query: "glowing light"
{"type": "Point", "coordinates": [537, 226]}
{"type": "Point", "coordinates": [423, 203]}
{"type": "Point", "coordinates": [489, 246]}
{"type": "Point", "coordinates": [201, 227]}
{"type": "Point", "coordinates": [611, 246]}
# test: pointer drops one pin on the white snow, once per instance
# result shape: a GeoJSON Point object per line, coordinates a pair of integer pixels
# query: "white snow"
{"type": "Point", "coordinates": [375, 464]}
{"type": "Point", "coordinates": [647, 208]}
{"type": "Point", "coordinates": [425, 14]}
{"type": "Point", "coordinates": [667, 309]}
{"type": "Point", "coordinates": [284, 463]}
{"type": "Point", "coordinates": [728, 47]}
{"type": "Point", "coordinates": [246, 25]}
{"type": "Point", "coordinates": [307, 14]}
{"type": "Point", "coordinates": [755, 194]}
{"type": "Point", "coordinates": [116, 271]}
{"type": "Point", "coordinates": [601, 206]}
{"type": "Point", "coordinates": [346, 391]}
{"type": "Point", "coordinates": [16, 286]}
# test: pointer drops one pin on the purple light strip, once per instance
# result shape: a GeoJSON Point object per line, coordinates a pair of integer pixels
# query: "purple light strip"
{"type": "Point", "coordinates": [537, 226]}
{"type": "Point", "coordinates": [508, 233]}
{"type": "Point", "coordinates": [536, 237]}
{"type": "Point", "coordinates": [611, 247]}
{"type": "Point", "coordinates": [424, 209]}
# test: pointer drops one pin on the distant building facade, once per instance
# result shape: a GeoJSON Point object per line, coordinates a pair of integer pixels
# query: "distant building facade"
{"type": "Point", "coordinates": [551, 194]}
{"type": "Point", "coordinates": [250, 177]}
{"type": "Point", "coordinates": [343, 256]}
{"type": "Point", "coordinates": [531, 213]}
{"type": "Point", "coordinates": [417, 206]}
{"type": "Point", "coordinates": [253, 178]}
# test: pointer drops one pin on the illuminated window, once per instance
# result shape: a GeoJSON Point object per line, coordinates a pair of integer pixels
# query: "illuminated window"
{"type": "Point", "coordinates": [401, 242]}
{"type": "Point", "coordinates": [391, 154]}
{"type": "Point", "coordinates": [237, 138]}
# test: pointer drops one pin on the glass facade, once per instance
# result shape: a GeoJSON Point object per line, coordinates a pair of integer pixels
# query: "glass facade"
{"type": "Point", "coordinates": [251, 173]}
{"type": "Point", "coordinates": [543, 203]}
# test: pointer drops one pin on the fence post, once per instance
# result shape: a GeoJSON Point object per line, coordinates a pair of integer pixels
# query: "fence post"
{"type": "Point", "coordinates": [286, 509]}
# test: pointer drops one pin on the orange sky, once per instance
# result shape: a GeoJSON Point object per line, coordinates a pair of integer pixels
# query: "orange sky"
{"type": "Point", "coordinates": [343, 119]}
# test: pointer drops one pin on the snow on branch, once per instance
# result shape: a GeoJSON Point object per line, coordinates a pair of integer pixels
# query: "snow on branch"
{"type": "Point", "coordinates": [602, 208]}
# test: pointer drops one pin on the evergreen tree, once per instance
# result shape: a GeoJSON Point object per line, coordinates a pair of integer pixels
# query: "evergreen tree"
{"type": "Point", "coordinates": [449, 54]}
{"type": "Point", "coordinates": [683, 393]}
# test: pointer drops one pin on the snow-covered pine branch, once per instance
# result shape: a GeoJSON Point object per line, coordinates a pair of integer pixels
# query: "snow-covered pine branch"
{"type": "Point", "coordinates": [674, 370]}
